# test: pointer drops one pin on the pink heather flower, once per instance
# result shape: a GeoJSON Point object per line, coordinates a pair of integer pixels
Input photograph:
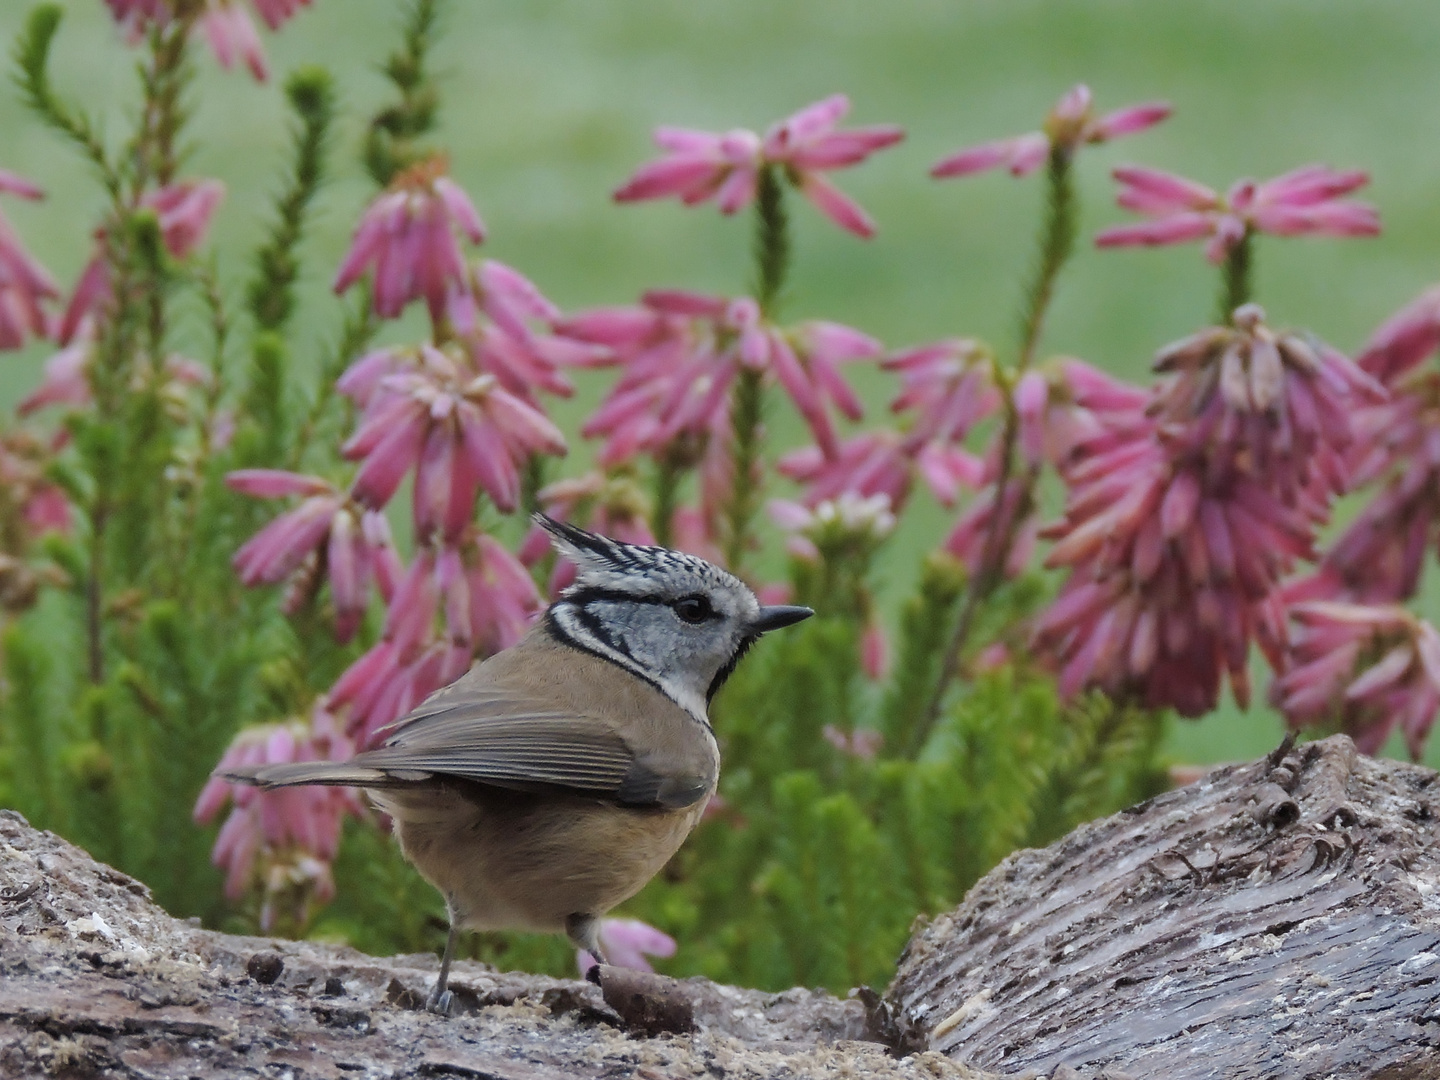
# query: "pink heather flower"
{"type": "Point", "coordinates": [409, 662]}
{"type": "Point", "coordinates": [948, 385]}
{"type": "Point", "coordinates": [460, 430]}
{"type": "Point", "coordinates": [874, 654]}
{"type": "Point", "coordinates": [861, 743]}
{"type": "Point", "coordinates": [1276, 405]}
{"type": "Point", "coordinates": [64, 382]}
{"type": "Point", "coordinates": [868, 464]}
{"type": "Point", "coordinates": [24, 283]}
{"type": "Point", "coordinates": [283, 825]}
{"type": "Point", "coordinates": [1308, 200]}
{"type": "Point", "coordinates": [1402, 341]}
{"type": "Point", "coordinates": [971, 532]}
{"type": "Point", "coordinates": [1070, 123]}
{"type": "Point", "coordinates": [91, 295]}
{"type": "Point", "coordinates": [1086, 404]}
{"type": "Point", "coordinates": [503, 600]}
{"type": "Point", "coordinates": [47, 510]}
{"type": "Point", "coordinates": [1031, 396]}
{"type": "Point", "coordinates": [184, 209]}
{"type": "Point", "coordinates": [807, 144]}
{"type": "Point", "coordinates": [407, 238]}
{"type": "Point", "coordinates": [1183, 516]}
{"type": "Point", "coordinates": [487, 601]}
{"type": "Point", "coordinates": [699, 166]}
{"type": "Point", "coordinates": [1372, 669]}
{"type": "Point", "coordinates": [1379, 556]}
{"type": "Point", "coordinates": [137, 16]}
{"type": "Point", "coordinates": [627, 942]}
{"type": "Point", "coordinates": [15, 184]}
{"type": "Point", "coordinates": [513, 341]}
{"type": "Point", "coordinates": [42, 506]}
{"type": "Point", "coordinates": [232, 36]}
{"type": "Point", "coordinates": [277, 12]}
{"type": "Point", "coordinates": [1167, 588]}
{"type": "Point", "coordinates": [326, 529]}
{"type": "Point", "coordinates": [681, 354]}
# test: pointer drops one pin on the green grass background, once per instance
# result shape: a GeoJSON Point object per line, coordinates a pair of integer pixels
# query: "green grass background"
{"type": "Point", "coordinates": [548, 104]}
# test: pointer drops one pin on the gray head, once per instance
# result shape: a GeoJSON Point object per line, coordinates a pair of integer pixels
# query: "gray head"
{"type": "Point", "coordinates": [675, 620]}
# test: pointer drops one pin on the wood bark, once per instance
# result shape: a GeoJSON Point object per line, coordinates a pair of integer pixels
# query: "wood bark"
{"type": "Point", "coordinates": [1276, 919]}
{"type": "Point", "coordinates": [96, 981]}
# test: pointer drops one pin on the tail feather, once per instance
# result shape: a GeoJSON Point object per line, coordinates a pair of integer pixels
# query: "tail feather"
{"type": "Point", "coordinates": [332, 773]}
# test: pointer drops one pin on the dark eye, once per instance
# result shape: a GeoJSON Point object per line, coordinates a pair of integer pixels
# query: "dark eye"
{"type": "Point", "coordinates": [694, 609]}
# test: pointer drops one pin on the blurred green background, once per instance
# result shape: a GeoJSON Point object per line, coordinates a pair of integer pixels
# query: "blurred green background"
{"type": "Point", "coordinates": [549, 104]}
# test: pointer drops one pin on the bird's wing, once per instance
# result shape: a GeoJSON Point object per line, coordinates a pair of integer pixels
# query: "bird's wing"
{"type": "Point", "coordinates": [498, 736]}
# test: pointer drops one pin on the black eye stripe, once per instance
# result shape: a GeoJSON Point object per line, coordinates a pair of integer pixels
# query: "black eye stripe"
{"type": "Point", "coordinates": [584, 595]}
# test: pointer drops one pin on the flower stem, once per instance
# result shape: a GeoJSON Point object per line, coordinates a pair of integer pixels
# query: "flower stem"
{"type": "Point", "coordinates": [1057, 244]}
{"type": "Point", "coordinates": [747, 411]}
{"type": "Point", "coordinates": [163, 80]}
{"type": "Point", "coordinates": [668, 473]}
{"type": "Point", "coordinates": [747, 407]}
{"type": "Point", "coordinates": [393, 142]}
{"type": "Point", "coordinates": [1237, 280]}
{"type": "Point", "coordinates": [772, 242]}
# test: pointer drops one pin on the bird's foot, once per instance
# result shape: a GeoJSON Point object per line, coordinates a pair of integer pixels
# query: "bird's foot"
{"type": "Point", "coordinates": [440, 1002]}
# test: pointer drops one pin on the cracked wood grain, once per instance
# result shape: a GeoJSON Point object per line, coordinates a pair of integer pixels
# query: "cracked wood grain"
{"type": "Point", "coordinates": [1276, 919]}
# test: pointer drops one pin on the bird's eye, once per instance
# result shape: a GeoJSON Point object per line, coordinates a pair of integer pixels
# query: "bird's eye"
{"type": "Point", "coordinates": [693, 609]}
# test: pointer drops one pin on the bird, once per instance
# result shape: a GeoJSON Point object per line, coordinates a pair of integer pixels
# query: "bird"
{"type": "Point", "coordinates": [551, 781]}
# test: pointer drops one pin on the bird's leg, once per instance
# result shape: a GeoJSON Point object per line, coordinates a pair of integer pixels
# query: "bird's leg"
{"type": "Point", "coordinates": [584, 931]}
{"type": "Point", "coordinates": [441, 998]}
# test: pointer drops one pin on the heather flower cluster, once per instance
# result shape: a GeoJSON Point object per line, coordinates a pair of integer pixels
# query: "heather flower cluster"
{"type": "Point", "coordinates": [1372, 669]}
{"type": "Point", "coordinates": [699, 166]}
{"type": "Point", "coordinates": [461, 417]}
{"type": "Point", "coordinates": [1306, 201]}
{"type": "Point", "coordinates": [291, 835]}
{"type": "Point", "coordinates": [1185, 514]}
{"type": "Point", "coordinates": [1071, 123]}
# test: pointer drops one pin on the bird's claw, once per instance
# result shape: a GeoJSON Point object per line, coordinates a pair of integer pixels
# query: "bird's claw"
{"type": "Point", "coordinates": [440, 1004]}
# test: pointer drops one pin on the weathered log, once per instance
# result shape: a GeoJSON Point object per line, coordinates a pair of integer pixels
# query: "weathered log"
{"type": "Point", "coordinates": [1276, 919]}
{"type": "Point", "coordinates": [96, 981]}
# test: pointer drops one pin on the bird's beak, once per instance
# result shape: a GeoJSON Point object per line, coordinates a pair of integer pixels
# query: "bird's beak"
{"type": "Point", "coordinates": [778, 615]}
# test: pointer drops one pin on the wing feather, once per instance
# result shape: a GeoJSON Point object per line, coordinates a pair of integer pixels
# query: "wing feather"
{"type": "Point", "coordinates": [497, 737]}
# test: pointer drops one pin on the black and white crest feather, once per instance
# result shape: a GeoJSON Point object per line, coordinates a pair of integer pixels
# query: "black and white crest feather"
{"type": "Point", "coordinates": [623, 608]}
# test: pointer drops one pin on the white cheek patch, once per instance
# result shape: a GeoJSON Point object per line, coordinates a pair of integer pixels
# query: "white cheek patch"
{"type": "Point", "coordinates": [573, 626]}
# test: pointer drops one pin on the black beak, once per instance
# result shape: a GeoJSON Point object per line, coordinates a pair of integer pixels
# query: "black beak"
{"type": "Point", "coordinates": [777, 616]}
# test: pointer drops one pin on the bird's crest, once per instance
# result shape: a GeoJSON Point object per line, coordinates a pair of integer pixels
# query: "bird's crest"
{"type": "Point", "coordinates": [603, 563]}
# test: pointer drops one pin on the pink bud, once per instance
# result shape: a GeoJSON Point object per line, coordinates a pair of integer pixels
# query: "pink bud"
{"type": "Point", "coordinates": [275, 483]}
{"type": "Point", "coordinates": [1031, 395]}
{"type": "Point", "coordinates": [1073, 105]}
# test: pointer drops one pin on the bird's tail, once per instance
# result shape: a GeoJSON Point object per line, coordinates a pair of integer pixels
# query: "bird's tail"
{"type": "Point", "coordinates": [332, 773]}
